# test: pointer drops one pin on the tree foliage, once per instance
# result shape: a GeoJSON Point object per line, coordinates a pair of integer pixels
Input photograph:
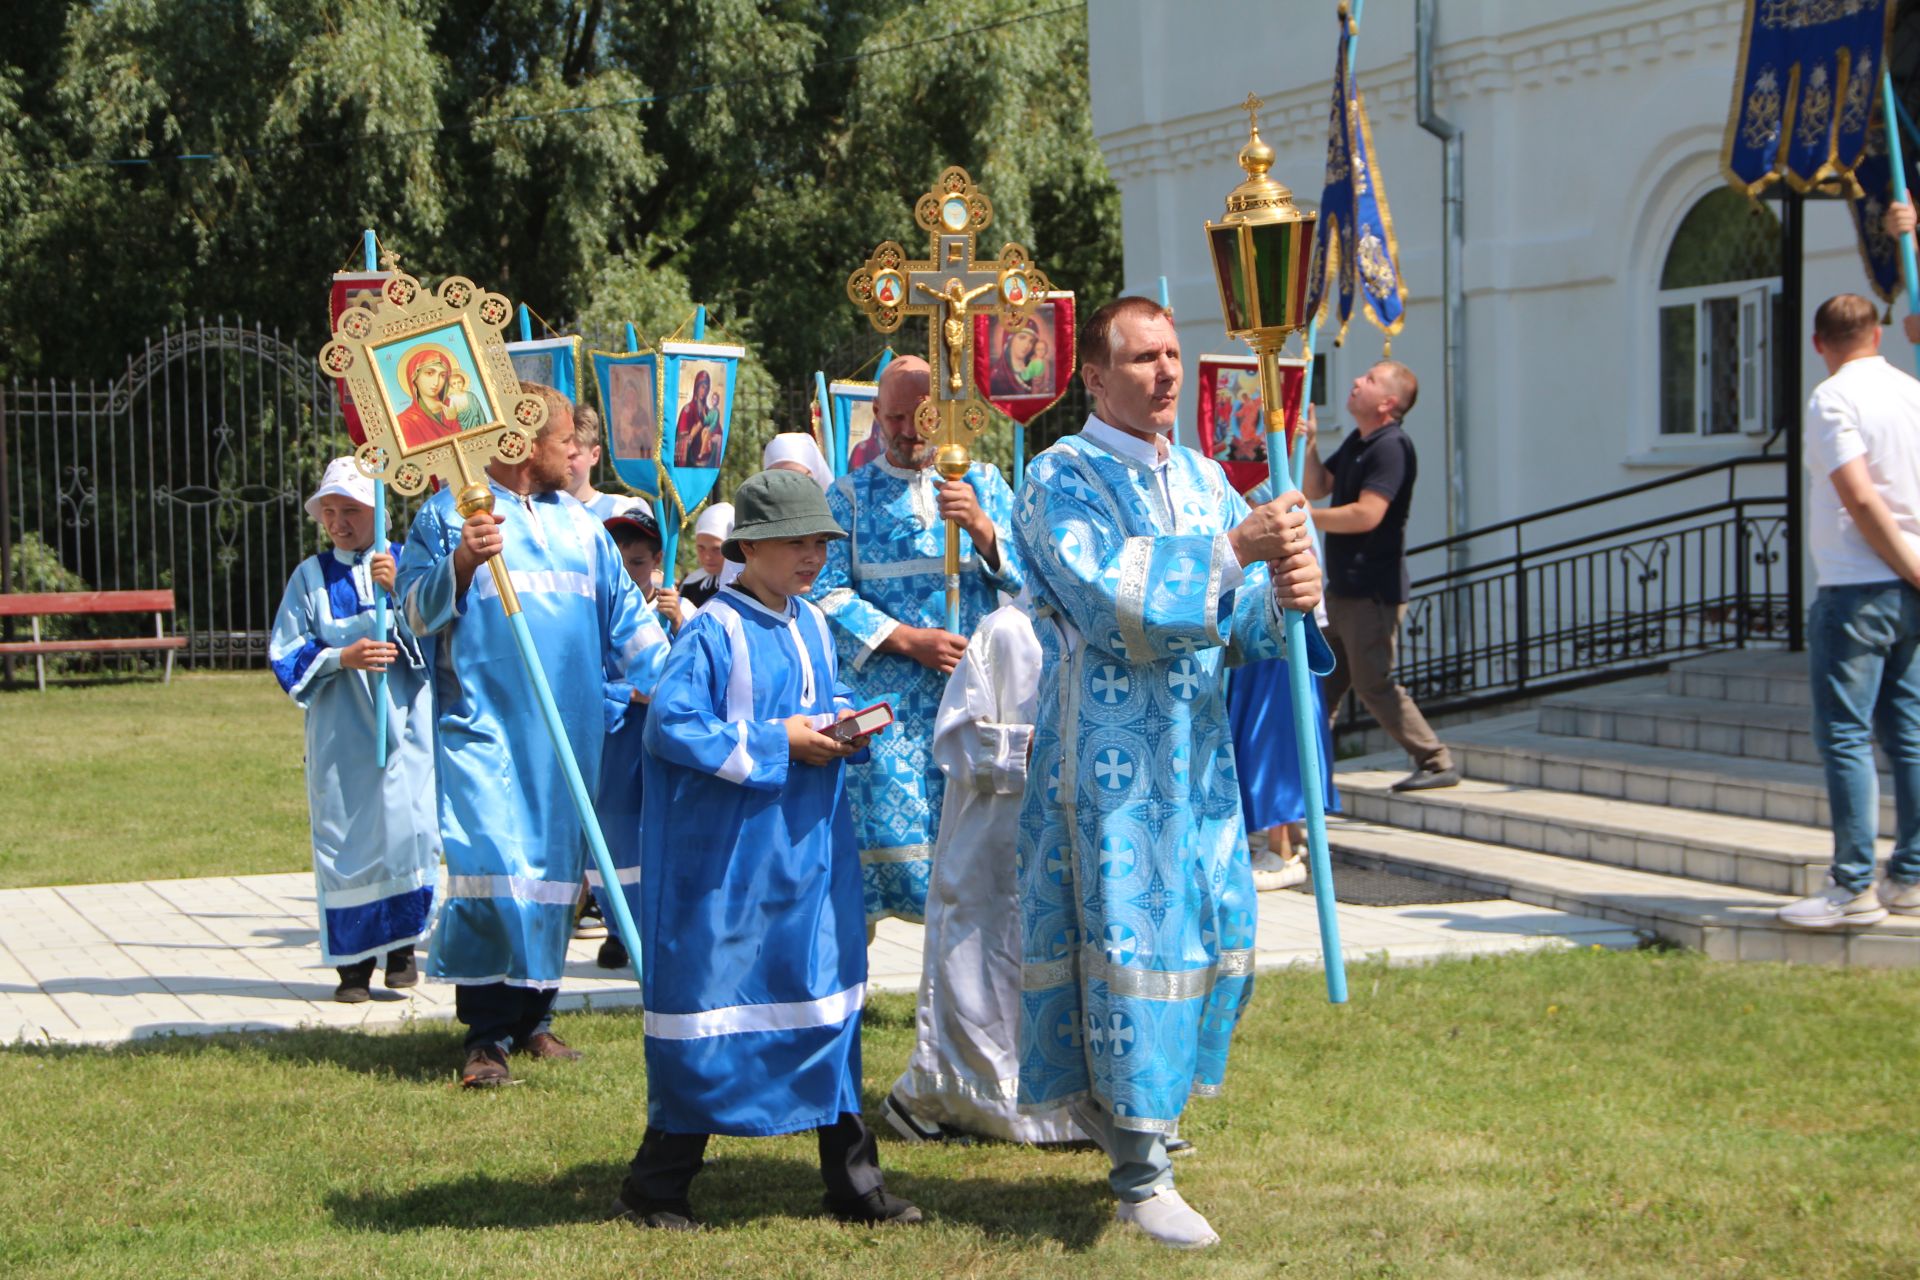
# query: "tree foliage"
{"type": "Point", "coordinates": [745, 153]}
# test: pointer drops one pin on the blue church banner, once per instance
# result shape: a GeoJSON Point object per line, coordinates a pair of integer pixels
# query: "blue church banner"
{"type": "Point", "coordinates": [1355, 244]}
{"type": "Point", "coordinates": [552, 362]}
{"type": "Point", "coordinates": [1803, 99]}
{"type": "Point", "coordinates": [629, 384]}
{"type": "Point", "coordinates": [696, 401]}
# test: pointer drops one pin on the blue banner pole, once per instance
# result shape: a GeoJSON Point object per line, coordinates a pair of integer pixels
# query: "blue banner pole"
{"type": "Point", "coordinates": [1176, 412]}
{"type": "Point", "coordinates": [1306, 703]}
{"type": "Point", "coordinates": [1909, 271]}
{"type": "Point", "coordinates": [670, 524]}
{"type": "Point", "coordinates": [526, 324]}
{"type": "Point", "coordinates": [370, 261]}
{"type": "Point", "coordinates": [827, 445]}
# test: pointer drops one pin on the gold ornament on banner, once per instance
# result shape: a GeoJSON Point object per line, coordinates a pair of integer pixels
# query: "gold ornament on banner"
{"type": "Point", "coordinates": [436, 389]}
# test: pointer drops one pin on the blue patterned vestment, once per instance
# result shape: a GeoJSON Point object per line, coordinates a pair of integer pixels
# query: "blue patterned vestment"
{"type": "Point", "coordinates": [890, 570]}
{"type": "Point", "coordinates": [515, 846]}
{"type": "Point", "coordinates": [751, 926]}
{"type": "Point", "coordinates": [1136, 894]}
{"type": "Point", "coordinates": [376, 838]}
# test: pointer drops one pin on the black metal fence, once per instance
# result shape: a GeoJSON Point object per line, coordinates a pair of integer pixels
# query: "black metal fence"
{"type": "Point", "coordinates": [188, 472]}
{"type": "Point", "coordinates": [1543, 601]}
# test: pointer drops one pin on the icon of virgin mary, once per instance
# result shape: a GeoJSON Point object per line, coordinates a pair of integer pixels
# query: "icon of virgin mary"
{"type": "Point", "coordinates": [426, 375]}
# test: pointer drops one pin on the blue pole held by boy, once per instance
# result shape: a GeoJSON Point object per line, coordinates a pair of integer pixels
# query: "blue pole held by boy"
{"type": "Point", "coordinates": [370, 261]}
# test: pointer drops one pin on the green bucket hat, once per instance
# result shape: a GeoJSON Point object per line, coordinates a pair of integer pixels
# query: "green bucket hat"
{"type": "Point", "coordinates": [778, 504]}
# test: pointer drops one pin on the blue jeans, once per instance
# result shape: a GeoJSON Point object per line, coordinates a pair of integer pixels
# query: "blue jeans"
{"type": "Point", "coordinates": [1862, 644]}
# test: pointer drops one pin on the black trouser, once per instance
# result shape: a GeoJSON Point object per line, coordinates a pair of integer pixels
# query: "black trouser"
{"type": "Point", "coordinates": [666, 1163]}
{"type": "Point", "coordinates": [503, 1016]}
{"type": "Point", "coordinates": [363, 969]}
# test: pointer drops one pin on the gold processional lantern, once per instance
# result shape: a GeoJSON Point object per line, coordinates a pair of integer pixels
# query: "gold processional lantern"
{"type": "Point", "coordinates": [1261, 251]}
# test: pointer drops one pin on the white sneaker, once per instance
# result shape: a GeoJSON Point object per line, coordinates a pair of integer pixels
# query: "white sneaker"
{"type": "Point", "coordinates": [1271, 871]}
{"type": "Point", "coordinates": [1169, 1220]}
{"type": "Point", "coordinates": [1834, 907]}
{"type": "Point", "coordinates": [1901, 899]}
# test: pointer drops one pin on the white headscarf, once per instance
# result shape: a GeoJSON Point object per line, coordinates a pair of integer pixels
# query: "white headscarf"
{"type": "Point", "coordinates": [717, 521]}
{"type": "Point", "coordinates": [798, 446]}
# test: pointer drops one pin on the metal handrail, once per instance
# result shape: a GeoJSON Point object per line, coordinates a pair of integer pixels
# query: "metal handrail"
{"type": "Point", "coordinates": [1728, 465]}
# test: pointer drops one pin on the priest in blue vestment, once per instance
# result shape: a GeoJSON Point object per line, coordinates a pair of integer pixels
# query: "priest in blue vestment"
{"type": "Point", "coordinates": [1137, 899]}
{"type": "Point", "coordinates": [514, 842]}
{"type": "Point", "coordinates": [884, 590]}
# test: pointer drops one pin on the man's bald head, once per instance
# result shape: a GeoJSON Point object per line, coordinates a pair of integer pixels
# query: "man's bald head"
{"type": "Point", "coordinates": [907, 381]}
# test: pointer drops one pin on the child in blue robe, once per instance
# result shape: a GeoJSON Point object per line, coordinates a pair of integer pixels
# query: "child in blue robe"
{"type": "Point", "coordinates": [751, 912]}
{"type": "Point", "coordinates": [376, 837]}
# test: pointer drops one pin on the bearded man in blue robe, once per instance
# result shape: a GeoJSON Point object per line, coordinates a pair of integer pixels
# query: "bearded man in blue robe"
{"type": "Point", "coordinates": [515, 846]}
{"type": "Point", "coordinates": [884, 590]}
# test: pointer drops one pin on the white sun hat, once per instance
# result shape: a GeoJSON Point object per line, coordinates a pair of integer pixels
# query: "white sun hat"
{"type": "Point", "coordinates": [345, 478]}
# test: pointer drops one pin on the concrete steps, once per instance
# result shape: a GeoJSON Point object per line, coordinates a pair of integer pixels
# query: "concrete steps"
{"type": "Point", "coordinates": [1513, 749]}
{"type": "Point", "coordinates": [1690, 806]}
{"type": "Point", "coordinates": [1752, 853]}
{"type": "Point", "coordinates": [1726, 921]}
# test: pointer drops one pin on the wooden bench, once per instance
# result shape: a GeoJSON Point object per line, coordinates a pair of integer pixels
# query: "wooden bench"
{"type": "Point", "coordinates": [63, 604]}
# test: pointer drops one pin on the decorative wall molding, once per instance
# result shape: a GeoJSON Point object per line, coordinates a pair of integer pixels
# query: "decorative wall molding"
{"type": "Point", "coordinates": [1615, 42]}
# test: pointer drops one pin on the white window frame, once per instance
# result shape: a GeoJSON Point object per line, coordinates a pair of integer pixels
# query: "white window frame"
{"type": "Point", "coordinates": [1755, 341]}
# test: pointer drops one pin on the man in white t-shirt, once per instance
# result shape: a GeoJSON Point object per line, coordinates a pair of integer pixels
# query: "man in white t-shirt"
{"type": "Point", "coordinates": [1863, 632]}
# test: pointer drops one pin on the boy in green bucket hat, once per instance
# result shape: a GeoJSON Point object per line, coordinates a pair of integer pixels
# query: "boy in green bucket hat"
{"type": "Point", "coordinates": [752, 924]}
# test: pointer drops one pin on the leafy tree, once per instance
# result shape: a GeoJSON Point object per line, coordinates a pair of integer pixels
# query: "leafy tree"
{"type": "Point", "coordinates": [744, 153]}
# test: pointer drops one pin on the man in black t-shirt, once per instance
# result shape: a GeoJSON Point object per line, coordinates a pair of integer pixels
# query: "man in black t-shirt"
{"type": "Point", "coordinates": [1370, 479]}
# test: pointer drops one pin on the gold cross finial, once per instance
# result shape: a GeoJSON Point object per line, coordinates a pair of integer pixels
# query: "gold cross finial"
{"type": "Point", "coordinates": [1252, 107]}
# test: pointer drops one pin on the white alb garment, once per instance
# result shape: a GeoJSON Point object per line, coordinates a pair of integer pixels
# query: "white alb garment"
{"type": "Point", "coordinates": [965, 1068]}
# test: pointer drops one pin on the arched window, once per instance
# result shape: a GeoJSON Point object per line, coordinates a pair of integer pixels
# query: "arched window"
{"type": "Point", "coordinates": [1719, 292]}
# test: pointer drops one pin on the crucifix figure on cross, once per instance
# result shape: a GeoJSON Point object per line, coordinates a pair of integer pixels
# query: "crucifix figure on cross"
{"type": "Point", "coordinates": [949, 287]}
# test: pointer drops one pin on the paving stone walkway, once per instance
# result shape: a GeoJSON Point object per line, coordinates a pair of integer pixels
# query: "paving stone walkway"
{"type": "Point", "coordinates": [101, 964]}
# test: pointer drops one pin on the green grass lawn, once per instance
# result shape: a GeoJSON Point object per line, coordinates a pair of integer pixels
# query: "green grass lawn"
{"type": "Point", "coordinates": [136, 780]}
{"type": "Point", "coordinates": [1584, 1114]}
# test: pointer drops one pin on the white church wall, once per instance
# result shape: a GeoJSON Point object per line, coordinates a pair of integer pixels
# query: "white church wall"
{"type": "Point", "coordinates": [1591, 129]}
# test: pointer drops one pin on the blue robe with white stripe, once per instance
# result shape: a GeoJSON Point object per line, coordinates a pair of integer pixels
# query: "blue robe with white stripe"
{"type": "Point", "coordinates": [376, 839]}
{"type": "Point", "coordinates": [617, 799]}
{"type": "Point", "coordinates": [750, 901]}
{"type": "Point", "coordinates": [515, 846]}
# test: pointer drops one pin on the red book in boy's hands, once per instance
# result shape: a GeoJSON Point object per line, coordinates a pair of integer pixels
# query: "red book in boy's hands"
{"type": "Point", "coordinates": [861, 723]}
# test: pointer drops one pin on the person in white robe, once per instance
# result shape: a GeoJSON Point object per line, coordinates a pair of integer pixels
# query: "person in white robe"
{"type": "Point", "coordinates": [965, 1070]}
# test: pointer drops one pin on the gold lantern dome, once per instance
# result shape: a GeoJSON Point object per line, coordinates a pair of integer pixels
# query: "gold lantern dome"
{"type": "Point", "coordinates": [1261, 249]}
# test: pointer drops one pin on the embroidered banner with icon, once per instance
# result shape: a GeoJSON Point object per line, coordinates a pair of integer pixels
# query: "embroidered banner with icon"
{"type": "Point", "coordinates": [696, 399]}
{"type": "Point", "coordinates": [629, 383]}
{"type": "Point", "coordinates": [1355, 244]}
{"type": "Point", "coordinates": [1025, 362]}
{"type": "Point", "coordinates": [1803, 98]}
{"type": "Point", "coordinates": [1232, 414]}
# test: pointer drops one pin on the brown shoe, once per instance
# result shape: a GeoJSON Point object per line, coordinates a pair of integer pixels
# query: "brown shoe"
{"type": "Point", "coordinates": [486, 1069]}
{"type": "Point", "coordinates": [545, 1044]}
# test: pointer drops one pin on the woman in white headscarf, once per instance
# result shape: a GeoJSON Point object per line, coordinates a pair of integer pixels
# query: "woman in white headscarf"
{"type": "Point", "coordinates": [714, 527]}
{"type": "Point", "coordinates": [798, 451]}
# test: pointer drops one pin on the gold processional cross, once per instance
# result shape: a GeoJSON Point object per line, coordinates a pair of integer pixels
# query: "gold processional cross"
{"type": "Point", "coordinates": [949, 287]}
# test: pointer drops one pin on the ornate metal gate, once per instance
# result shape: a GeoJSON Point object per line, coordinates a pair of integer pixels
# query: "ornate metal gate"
{"type": "Point", "coordinates": [188, 472]}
